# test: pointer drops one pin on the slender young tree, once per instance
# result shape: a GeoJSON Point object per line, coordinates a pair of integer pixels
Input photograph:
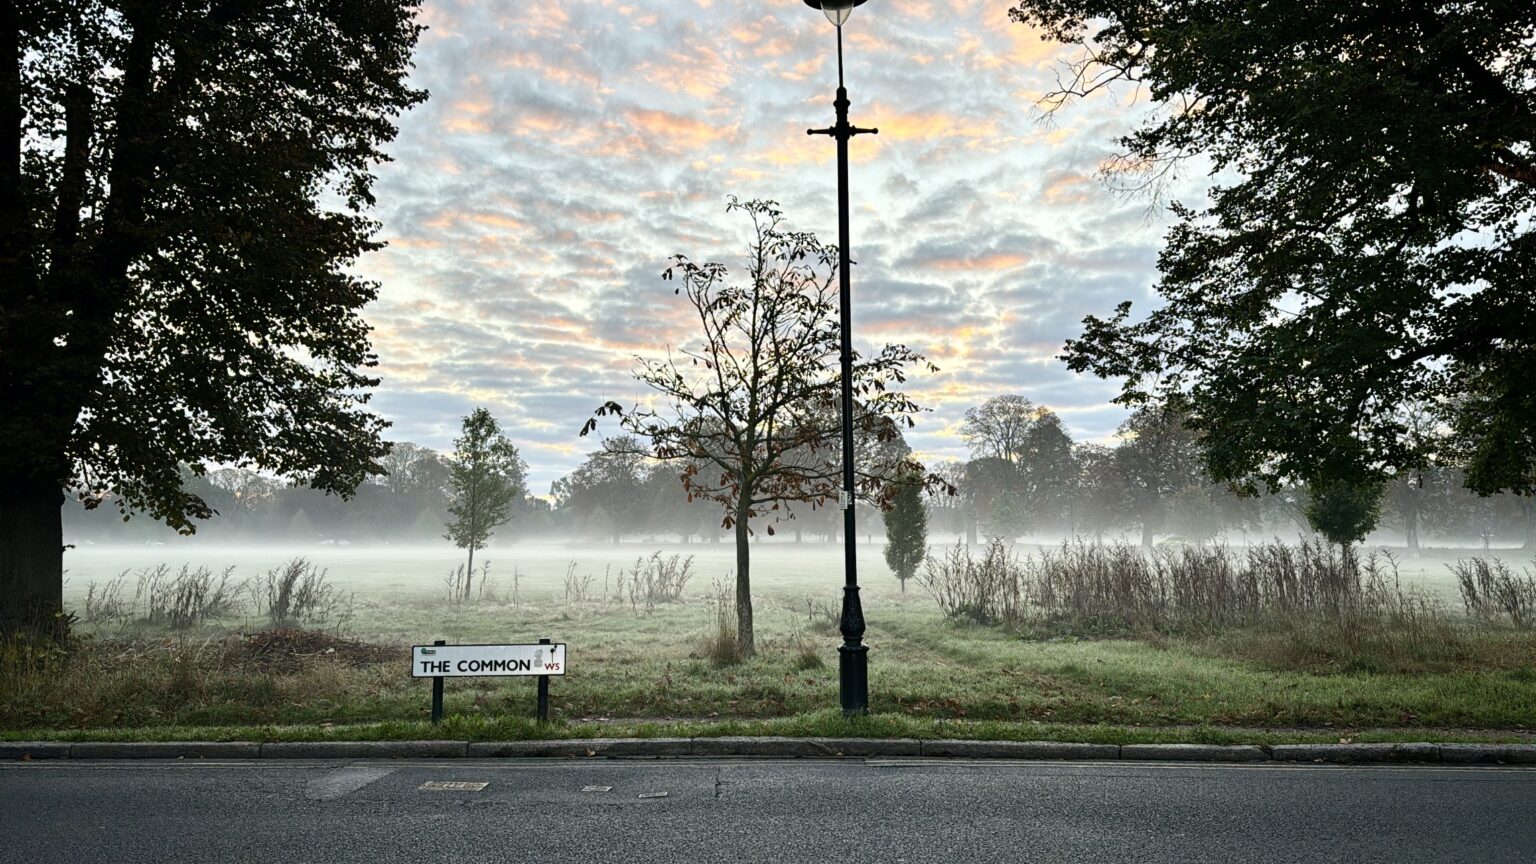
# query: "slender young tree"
{"type": "Point", "coordinates": [184, 190]}
{"type": "Point", "coordinates": [906, 532]}
{"type": "Point", "coordinates": [751, 415]}
{"type": "Point", "coordinates": [487, 477]}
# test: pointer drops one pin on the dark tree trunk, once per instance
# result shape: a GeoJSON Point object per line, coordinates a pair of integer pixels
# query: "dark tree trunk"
{"type": "Point", "coordinates": [469, 571]}
{"type": "Point", "coordinates": [1411, 527]}
{"type": "Point", "coordinates": [31, 557]}
{"type": "Point", "coordinates": [744, 638]}
{"type": "Point", "coordinates": [1147, 534]}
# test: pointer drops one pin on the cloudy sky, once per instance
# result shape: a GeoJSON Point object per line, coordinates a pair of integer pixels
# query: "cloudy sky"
{"type": "Point", "coordinates": [570, 146]}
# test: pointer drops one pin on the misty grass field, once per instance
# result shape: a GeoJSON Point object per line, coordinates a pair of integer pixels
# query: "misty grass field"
{"type": "Point", "coordinates": [634, 672]}
{"type": "Point", "coordinates": [416, 571]}
{"type": "Point", "coordinates": [780, 568]}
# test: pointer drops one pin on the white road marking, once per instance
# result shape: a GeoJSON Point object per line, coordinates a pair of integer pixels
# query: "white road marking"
{"type": "Point", "coordinates": [453, 786]}
{"type": "Point", "coordinates": [344, 781]}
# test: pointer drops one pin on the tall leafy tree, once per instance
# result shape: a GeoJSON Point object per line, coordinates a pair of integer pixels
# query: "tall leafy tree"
{"type": "Point", "coordinates": [1047, 470]}
{"type": "Point", "coordinates": [1157, 458]}
{"type": "Point", "coordinates": [948, 512]}
{"type": "Point", "coordinates": [751, 413]}
{"type": "Point", "coordinates": [607, 491]}
{"type": "Point", "coordinates": [183, 190]}
{"type": "Point", "coordinates": [1370, 240]}
{"type": "Point", "coordinates": [413, 485]}
{"type": "Point", "coordinates": [999, 427]}
{"type": "Point", "coordinates": [987, 482]}
{"type": "Point", "coordinates": [486, 477]}
{"type": "Point", "coordinates": [1031, 439]}
{"type": "Point", "coordinates": [1101, 498]}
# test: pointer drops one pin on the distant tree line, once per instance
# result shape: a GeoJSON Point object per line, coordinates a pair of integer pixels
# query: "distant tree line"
{"type": "Point", "coordinates": [407, 503]}
{"type": "Point", "coordinates": [1026, 478]}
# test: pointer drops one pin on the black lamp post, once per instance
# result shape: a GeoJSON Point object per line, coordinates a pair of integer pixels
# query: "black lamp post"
{"type": "Point", "coordinates": [853, 654]}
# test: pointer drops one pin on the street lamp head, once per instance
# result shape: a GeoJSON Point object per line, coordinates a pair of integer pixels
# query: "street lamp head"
{"type": "Point", "coordinates": [837, 11]}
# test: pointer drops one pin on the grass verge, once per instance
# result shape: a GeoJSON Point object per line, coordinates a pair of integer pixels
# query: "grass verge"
{"type": "Point", "coordinates": [821, 724]}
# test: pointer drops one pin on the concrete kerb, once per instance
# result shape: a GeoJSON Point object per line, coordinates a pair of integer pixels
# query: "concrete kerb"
{"type": "Point", "coordinates": [771, 747]}
{"type": "Point", "coordinates": [641, 748]}
{"type": "Point", "coordinates": [1355, 753]}
{"type": "Point", "coordinates": [1019, 750]}
{"type": "Point", "coordinates": [365, 750]}
{"type": "Point", "coordinates": [1194, 752]}
{"type": "Point", "coordinates": [26, 751]}
{"type": "Point", "coordinates": [165, 750]}
{"type": "Point", "coordinates": [1508, 754]}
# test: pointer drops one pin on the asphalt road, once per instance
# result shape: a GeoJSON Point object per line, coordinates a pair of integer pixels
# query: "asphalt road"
{"type": "Point", "coordinates": [886, 810]}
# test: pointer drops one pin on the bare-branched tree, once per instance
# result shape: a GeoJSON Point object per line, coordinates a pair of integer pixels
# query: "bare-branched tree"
{"type": "Point", "coordinates": [751, 415]}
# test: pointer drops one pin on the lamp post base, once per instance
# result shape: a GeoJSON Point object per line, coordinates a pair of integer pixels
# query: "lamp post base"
{"type": "Point", "coordinates": [853, 678]}
{"type": "Point", "coordinates": [853, 656]}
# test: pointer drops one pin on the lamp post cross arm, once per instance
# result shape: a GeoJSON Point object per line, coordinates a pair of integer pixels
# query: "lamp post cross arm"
{"type": "Point", "coordinates": [838, 131]}
{"type": "Point", "coordinates": [843, 130]}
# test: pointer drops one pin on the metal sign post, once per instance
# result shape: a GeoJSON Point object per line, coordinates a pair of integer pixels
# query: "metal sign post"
{"type": "Point", "coordinates": [437, 693]}
{"type": "Point", "coordinates": [544, 692]}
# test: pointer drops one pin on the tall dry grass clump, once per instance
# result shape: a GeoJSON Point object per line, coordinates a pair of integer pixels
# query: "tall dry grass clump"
{"type": "Point", "coordinates": [985, 590]}
{"type": "Point", "coordinates": [1310, 605]}
{"type": "Point", "coordinates": [1491, 591]}
{"type": "Point", "coordinates": [185, 598]}
{"type": "Point", "coordinates": [296, 592]}
{"type": "Point", "coordinates": [1117, 587]}
{"type": "Point", "coordinates": [654, 580]}
{"type": "Point", "coordinates": [721, 647]}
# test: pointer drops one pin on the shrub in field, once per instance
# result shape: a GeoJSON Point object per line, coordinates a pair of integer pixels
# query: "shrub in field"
{"type": "Point", "coordinates": [187, 597]}
{"type": "Point", "coordinates": [461, 584]}
{"type": "Point", "coordinates": [296, 591]}
{"type": "Point", "coordinates": [822, 617]}
{"type": "Point", "coordinates": [1490, 590]}
{"type": "Point", "coordinates": [654, 580]}
{"type": "Point", "coordinates": [577, 587]}
{"type": "Point", "coordinates": [454, 583]}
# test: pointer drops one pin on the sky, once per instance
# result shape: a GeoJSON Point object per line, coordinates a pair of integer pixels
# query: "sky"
{"type": "Point", "coordinates": [570, 147]}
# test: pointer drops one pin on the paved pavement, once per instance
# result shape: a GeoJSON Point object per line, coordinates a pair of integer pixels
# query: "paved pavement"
{"type": "Point", "coordinates": [726, 810]}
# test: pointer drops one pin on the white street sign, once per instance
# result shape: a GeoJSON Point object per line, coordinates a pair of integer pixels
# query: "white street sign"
{"type": "Point", "coordinates": [459, 661]}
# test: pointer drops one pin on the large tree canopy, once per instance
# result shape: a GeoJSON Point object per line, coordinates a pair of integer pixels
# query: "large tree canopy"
{"type": "Point", "coordinates": [181, 198]}
{"type": "Point", "coordinates": [1368, 242]}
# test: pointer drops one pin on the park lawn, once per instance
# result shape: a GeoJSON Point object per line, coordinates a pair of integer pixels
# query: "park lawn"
{"type": "Point", "coordinates": [633, 672]}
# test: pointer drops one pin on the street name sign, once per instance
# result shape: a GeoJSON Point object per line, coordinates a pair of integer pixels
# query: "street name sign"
{"type": "Point", "coordinates": [459, 661]}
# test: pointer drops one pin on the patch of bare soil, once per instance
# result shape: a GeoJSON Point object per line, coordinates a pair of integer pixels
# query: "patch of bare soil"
{"type": "Point", "coordinates": [287, 649]}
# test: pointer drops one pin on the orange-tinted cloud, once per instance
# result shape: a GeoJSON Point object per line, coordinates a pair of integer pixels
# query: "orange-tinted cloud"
{"type": "Point", "coordinates": [991, 261]}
